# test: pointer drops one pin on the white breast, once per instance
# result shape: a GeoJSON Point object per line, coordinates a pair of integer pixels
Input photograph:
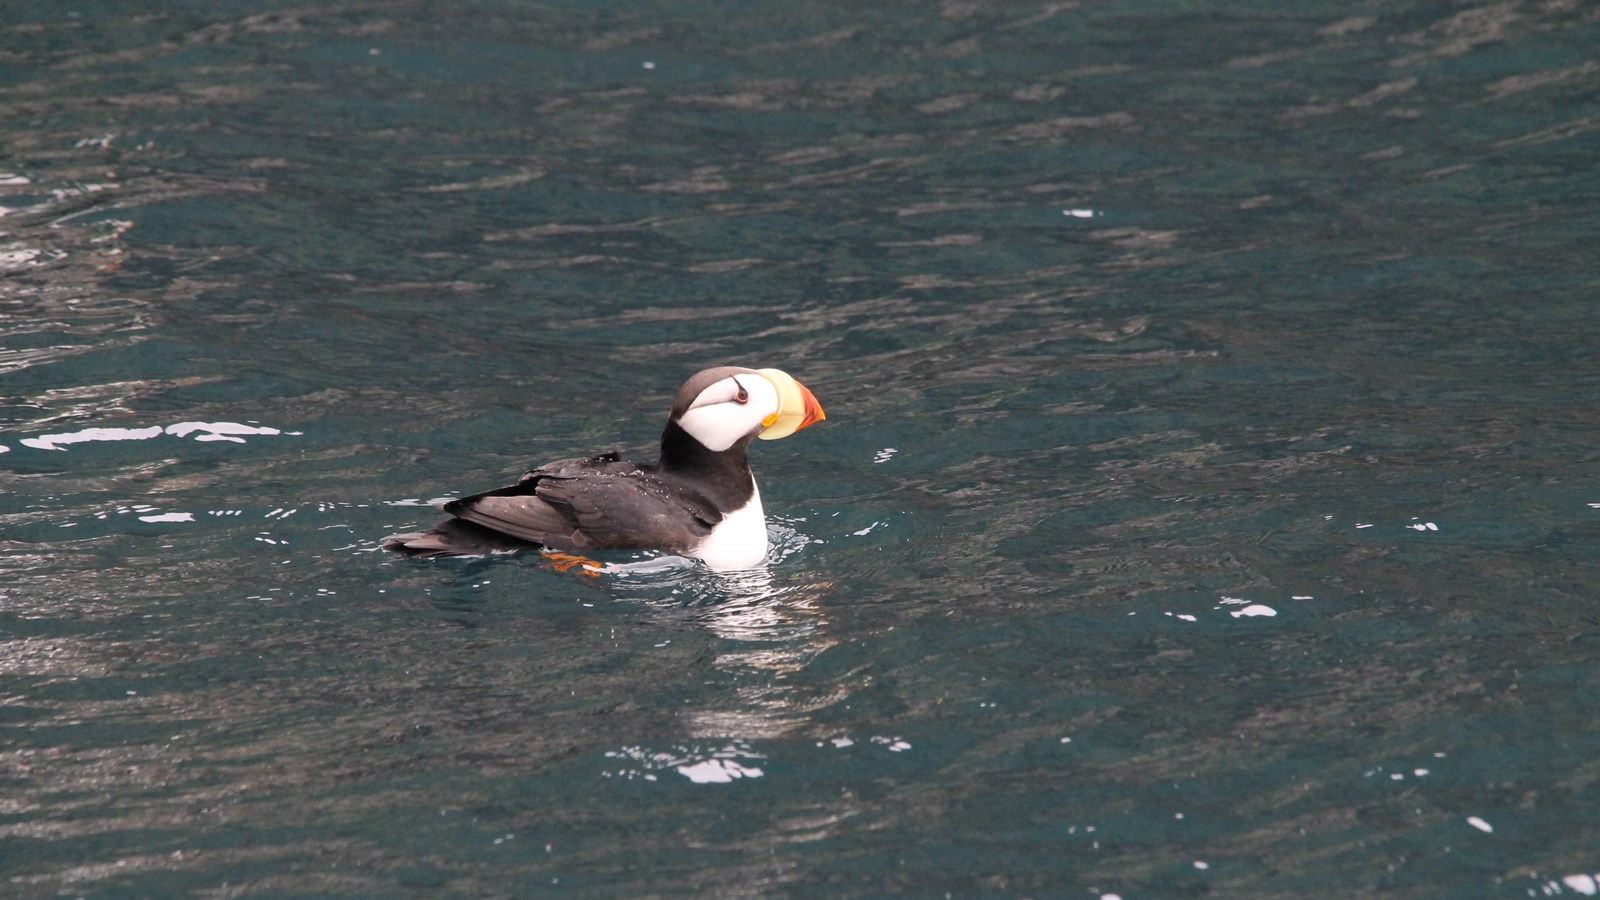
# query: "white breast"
{"type": "Point", "coordinates": [739, 541]}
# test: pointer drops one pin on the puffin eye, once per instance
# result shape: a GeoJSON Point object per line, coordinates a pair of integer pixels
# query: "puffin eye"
{"type": "Point", "coordinates": [743, 396]}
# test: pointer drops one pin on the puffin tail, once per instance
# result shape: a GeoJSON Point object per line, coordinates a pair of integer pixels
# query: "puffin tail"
{"type": "Point", "coordinates": [454, 537]}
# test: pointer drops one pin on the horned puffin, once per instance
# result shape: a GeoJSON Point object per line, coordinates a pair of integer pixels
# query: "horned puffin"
{"type": "Point", "coordinates": [698, 500]}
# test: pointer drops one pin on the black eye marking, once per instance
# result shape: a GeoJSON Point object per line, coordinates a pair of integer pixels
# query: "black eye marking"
{"type": "Point", "coordinates": [743, 396]}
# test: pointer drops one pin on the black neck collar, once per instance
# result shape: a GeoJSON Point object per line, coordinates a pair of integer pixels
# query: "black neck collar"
{"type": "Point", "coordinates": [723, 475]}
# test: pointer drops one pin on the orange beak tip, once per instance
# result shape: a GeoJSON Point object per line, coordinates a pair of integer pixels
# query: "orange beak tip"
{"type": "Point", "coordinates": [814, 411]}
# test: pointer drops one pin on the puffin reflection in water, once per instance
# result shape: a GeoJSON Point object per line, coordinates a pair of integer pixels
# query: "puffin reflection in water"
{"type": "Point", "coordinates": [699, 500]}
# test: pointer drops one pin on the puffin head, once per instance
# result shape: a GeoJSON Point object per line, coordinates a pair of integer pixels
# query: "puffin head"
{"type": "Point", "coordinates": [722, 406]}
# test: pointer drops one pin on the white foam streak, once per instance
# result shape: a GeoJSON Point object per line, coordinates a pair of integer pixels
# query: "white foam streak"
{"type": "Point", "coordinates": [202, 431]}
{"type": "Point", "coordinates": [218, 431]}
{"type": "Point", "coordinates": [1583, 884]}
{"type": "Point", "coordinates": [718, 771]}
{"type": "Point", "coordinates": [55, 441]}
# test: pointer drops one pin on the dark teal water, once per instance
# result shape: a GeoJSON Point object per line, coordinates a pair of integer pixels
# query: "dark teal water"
{"type": "Point", "coordinates": [1208, 501]}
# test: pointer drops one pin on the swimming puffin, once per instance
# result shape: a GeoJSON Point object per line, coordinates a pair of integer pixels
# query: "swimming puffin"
{"type": "Point", "coordinates": [699, 500]}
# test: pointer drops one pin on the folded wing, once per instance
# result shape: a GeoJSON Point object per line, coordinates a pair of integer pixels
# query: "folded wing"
{"type": "Point", "coordinates": [592, 504]}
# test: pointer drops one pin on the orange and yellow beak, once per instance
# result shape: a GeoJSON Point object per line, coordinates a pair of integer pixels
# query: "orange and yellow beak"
{"type": "Point", "coordinates": [797, 406]}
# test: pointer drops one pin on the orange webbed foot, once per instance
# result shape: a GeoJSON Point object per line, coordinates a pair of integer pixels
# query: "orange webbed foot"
{"type": "Point", "coordinates": [563, 562]}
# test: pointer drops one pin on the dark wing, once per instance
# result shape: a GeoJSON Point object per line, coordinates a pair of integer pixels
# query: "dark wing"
{"type": "Point", "coordinates": [454, 537]}
{"type": "Point", "coordinates": [592, 504]}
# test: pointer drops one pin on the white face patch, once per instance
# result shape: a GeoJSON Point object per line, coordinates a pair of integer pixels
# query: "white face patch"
{"type": "Point", "coordinates": [718, 420]}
